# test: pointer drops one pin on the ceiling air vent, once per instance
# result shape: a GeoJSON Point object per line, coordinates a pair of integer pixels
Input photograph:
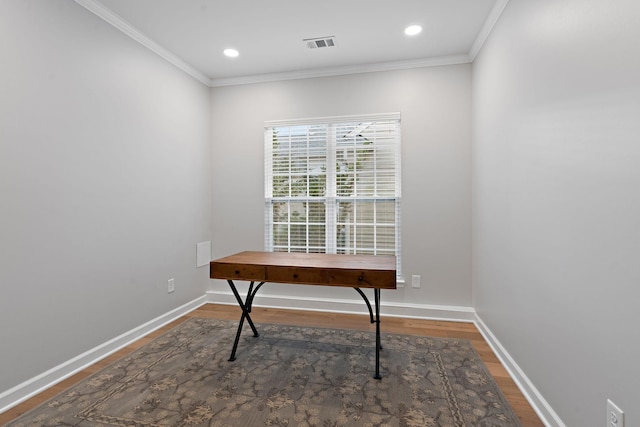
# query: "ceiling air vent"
{"type": "Point", "coordinates": [320, 42]}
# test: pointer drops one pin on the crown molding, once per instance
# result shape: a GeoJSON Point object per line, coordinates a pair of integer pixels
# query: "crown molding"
{"type": "Point", "coordinates": [118, 22]}
{"type": "Point", "coordinates": [340, 71]}
{"type": "Point", "coordinates": [121, 24]}
{"type": "Point", "coordinates": [493, 17]}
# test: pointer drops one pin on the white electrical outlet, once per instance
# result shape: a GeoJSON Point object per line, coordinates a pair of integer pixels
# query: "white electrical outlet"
{"type": "Point", "coordinates": [615, 416]}
{"type": "Point", "coordinates": [170, 286]}
{"type": "Point", "coordinates": [415, 281]}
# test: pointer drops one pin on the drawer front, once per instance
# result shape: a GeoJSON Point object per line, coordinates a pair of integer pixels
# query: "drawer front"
{"type": "Point", "coordinates": [296, 275]}
{"type": "Point", "coordinates": [237, 272]}
{"type": "Point", "coordinates": [363, 279]}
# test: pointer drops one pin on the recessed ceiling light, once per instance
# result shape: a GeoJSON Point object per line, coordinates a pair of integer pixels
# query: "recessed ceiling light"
{"type": "Point", "coordinates": [231, 53]}
{"type": "Point", "coordinates": [412, 30]}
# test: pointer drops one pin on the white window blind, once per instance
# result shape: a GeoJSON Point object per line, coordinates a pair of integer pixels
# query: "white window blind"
{"type": "Point", "coordinates": [332, 185]}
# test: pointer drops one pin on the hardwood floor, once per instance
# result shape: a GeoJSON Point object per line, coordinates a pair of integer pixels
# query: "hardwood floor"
{"type": "Point", "coordinates": [331, 320]}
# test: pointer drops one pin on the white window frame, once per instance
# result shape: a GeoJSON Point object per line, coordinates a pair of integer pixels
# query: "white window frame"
{"type": "Point", "coordinates": [331, 198]}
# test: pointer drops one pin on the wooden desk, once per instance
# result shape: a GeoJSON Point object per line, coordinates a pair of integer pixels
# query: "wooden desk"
{"type": "Point", "coordinates": [354, 271]}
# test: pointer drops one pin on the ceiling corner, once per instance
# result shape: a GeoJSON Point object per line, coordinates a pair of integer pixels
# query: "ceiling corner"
{"type": "Point", "coordinates": [493, 17]}
{"type": "Point", "coordinates": [118, 22]}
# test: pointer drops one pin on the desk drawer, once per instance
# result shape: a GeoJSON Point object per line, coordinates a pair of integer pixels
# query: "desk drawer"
{"type": "Point", "coordinates": [363, 279]}
{"type": "Point", "coordinates": [237, 272]}
{"type": "Point", "coordinates": [296, 275]}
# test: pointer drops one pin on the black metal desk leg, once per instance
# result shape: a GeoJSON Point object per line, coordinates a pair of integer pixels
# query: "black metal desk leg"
{"type": "Point", "coordinates": [376, 294]}
{"type": "Point", "coordinates": [375, 318]}
{"type": "Point", "coordinates": [246, 309]}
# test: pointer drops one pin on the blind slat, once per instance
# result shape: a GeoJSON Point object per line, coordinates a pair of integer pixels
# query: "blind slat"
{"type": "Point", "coordinates": [333, 185]}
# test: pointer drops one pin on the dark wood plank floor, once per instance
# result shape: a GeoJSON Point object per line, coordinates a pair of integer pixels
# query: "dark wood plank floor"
{"type": "Point", "coordinates": [329, 320]}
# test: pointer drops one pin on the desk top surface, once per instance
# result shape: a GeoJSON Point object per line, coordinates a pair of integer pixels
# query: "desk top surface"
{"type": "Point", "coordinates": [286, 259]}
{"type": "Point", "coordinates": [321, 269]}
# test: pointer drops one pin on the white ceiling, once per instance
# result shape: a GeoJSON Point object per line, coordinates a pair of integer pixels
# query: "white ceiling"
{"type": "Point", "coordinates": [368, 34]}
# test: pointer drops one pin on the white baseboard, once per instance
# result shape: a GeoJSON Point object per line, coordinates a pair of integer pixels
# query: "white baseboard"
{"type": "Point", "coordinates": [546, 413]}
{"type": "Point", "coordinates": [352, 306]}
{"type": "Point", "coordinates": [35, 385]}
{"type": "Point", "coordinates": [422, 311]}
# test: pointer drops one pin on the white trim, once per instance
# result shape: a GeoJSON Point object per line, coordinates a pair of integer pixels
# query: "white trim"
{"type": "Point", "coordinates": [332, 119]}
{"type": "Point", "coordinates": [341, 71]}
{"type": "Point", "coordinates": [121, 24]}
{"type": "Point", "coordinates": [416, 311]}
{"type": "Point", "coordinates": [118, 22]}
{"type": "Point", "coordinates": [33, 386]}
{"type": "Point", "coordinates": [318, 144]}
{"type": "Point", "coordinates": [351, 306]}
{"type": "Point", "coordinates": [493, 17]}
{"type": "Point", "coordinates": [39, 383]}
{"type": "Point", "coordinates": [546, 413]}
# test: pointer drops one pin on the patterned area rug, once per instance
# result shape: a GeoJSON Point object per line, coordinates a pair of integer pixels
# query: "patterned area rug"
{"type": "Point", "coordinates": [289, 376]}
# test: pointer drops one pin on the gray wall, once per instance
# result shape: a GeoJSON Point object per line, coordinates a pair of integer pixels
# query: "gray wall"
{"type": "Point", "coordinates": [556, 200]}
{"type": "Point", "coordinates": [109, 157]}
{"type": "Point", "coordinates": [435, 104]}
{"type": "Point", "coordinates": [105, 185]}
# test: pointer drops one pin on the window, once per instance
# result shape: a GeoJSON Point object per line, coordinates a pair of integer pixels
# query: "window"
{"type": "Point", "coordinates": [333, 185]}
